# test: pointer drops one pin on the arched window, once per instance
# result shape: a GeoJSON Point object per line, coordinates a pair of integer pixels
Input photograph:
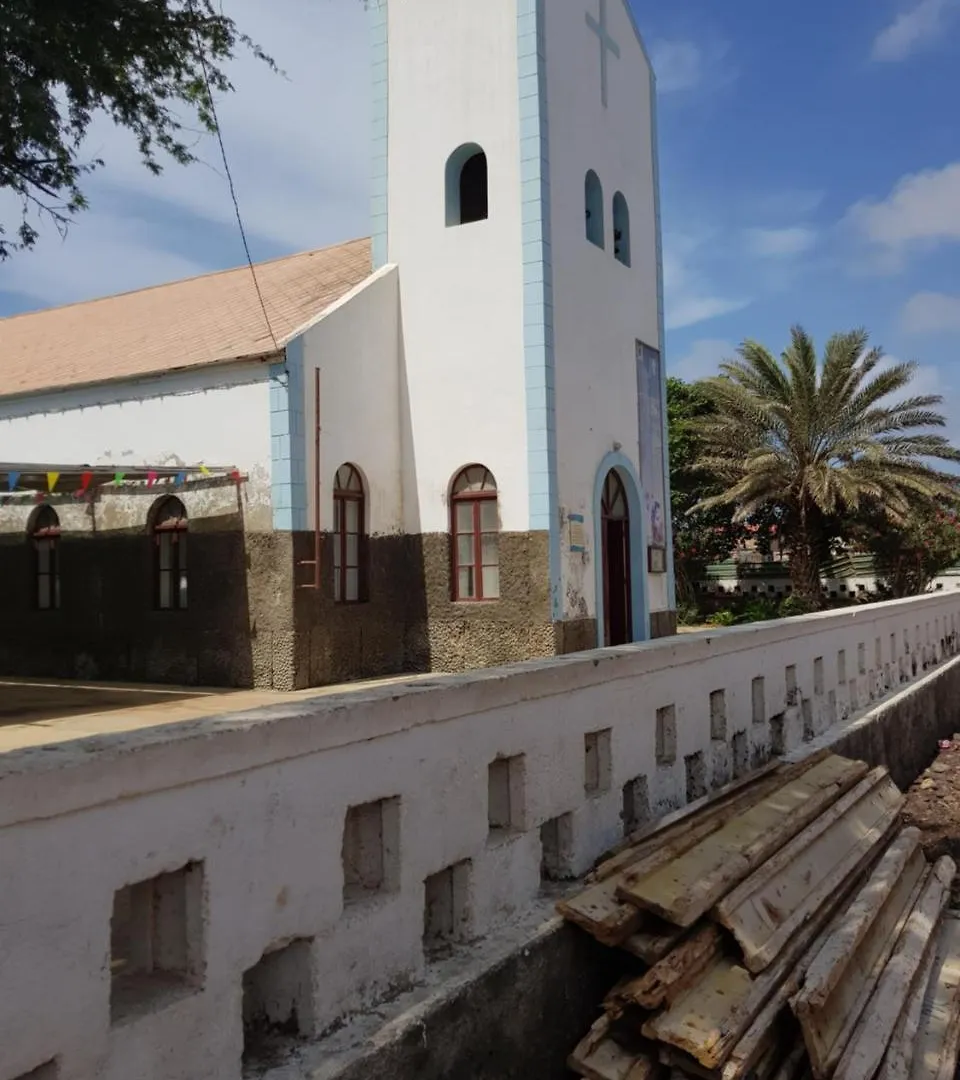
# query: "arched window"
{"type": "Point", "coordinates": [593, 207]}
{"type": "Point", "coordinates": [45, 537]}
{"type": "Point", "coordinates": [621, 229]}
{"type": "Point", "coordinates": [476, 541]}
{"type": "Point", "coordinates": [466, 183]}
{"type": "Point", "coordinates": [348, 536]}
{"type": "Point", "coordinates": [169, 528]}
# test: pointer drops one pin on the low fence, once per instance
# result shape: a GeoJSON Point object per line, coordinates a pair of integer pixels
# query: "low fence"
{"type": "Point", "coordinates": [175, 896]}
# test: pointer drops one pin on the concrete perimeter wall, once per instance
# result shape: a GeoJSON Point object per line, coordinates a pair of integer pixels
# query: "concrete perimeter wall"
{"type": "Point", "coordinates": [253, 822]}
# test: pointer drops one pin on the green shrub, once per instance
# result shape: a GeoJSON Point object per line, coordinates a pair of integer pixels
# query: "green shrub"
{"type": "Point", "coordinates": [794, 605]}
{"type": "Point", "coordinates": [724, 617]}
{"type": "Point", "coordinates": [760, 610]}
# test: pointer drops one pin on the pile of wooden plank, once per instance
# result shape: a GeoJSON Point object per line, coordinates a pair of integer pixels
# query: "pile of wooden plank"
{"type": "Point", "coordinates": [786, 927]}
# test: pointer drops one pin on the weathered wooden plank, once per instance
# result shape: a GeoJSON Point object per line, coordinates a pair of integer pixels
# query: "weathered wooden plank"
{"type": "Point", "coordinates": [845, 972]}
{"type": "Point", "coordinates": [938, 1036]}
{"type": "Point", "coordinates": [846, 935]}
{"type": "Point", "coordinates": [687, 887]}
{"type": "Point", "coordinates": [656, 938]}
{"type": "Point", "coordinates": [867, 1046]}
{"type": "Point", "coordinates": [898, 1061]}
{"type": "Point", "coordinates": [710, 812]}
{"type": "Point", "coordinates": [684, 1064]}
{"type": "Point", "coordinates": [727, 1010]}
{"type": "Point", "coordinates": [675, 973]}
{"type": "Point", "coordinates": [766, 909]}
{"type": "Point", "coordinates": [600, 912]}
{"type": "Point", "coordinates": [599, 1057]}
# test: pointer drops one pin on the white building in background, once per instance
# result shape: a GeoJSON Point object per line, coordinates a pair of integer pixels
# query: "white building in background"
{"type": "Point", "coordinates": [440, 449]}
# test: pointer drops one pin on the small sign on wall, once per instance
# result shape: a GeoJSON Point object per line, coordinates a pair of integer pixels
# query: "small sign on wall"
{"type": "Point", "coordinates": [657, 560]}
{"type": "Point", "coordinates": [576, 533]}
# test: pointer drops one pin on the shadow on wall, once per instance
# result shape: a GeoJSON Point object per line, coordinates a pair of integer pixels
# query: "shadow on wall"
{"type": "Point", "coordinates": [109, 624]}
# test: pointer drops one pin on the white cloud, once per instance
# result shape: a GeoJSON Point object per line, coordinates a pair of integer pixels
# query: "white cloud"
{"type": "Point", "coordinates": [931, 313]}
{"type": "Point", "coordinates": [776, 243]}
{"type": "Point", "coordinates": [298, 148]}
{"type": "Point", "coordinates": [922, 210]}
{"type": "Point", "coordinates": [678, 65]}
{"type": "Point", "coordinates": [689, 297]}
{"type": "Point", "coordinates": [911, 30]}
{"type": "Point", "coordinates": [702, 359]}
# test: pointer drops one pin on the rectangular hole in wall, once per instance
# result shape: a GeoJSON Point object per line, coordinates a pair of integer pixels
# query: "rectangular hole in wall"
{"type": "Point", "coordinates": [277, 1003]}
{"type": "Point", "coordinates": [841, 667]}
{"type": "Point", "coordinates": [597, 761]}
{"type": "Point", "coordinates": [667, 735]}
{"type": "Point", "coordinates": [854, 696]}
{"type": "Point", "coordinates": [832, 706]}
{"type": "Point", "coordinates": [741, 754]}
{"type": "Point", "coordinates": [718, 715]}
{"type": "Point", "coordinates": [806, 712]}
{"type": "Point", "coordinates": [156, 941]}
{"type": "Point", "coordinates": [505, 795]}
{"type": "Point", "coordinates": [371, 850]}
{"type": "Point", "coordinates": [862, 658]}
{"type": "Point", "coordinates": [790, 677]}
{"type": "Point", "coordinates": [893, 648]}
{"type": "Point", "coordinates": [696, 770]}
{"type": "Point", "coordinates": [636, 804]}
{"type": "Point", "coordinates": [446, 908]}
{"type": "Point", "coordinates": [818, 675]}
{"type": "Point", "coordinates": [556, 846]}
{"type": "Point", "coordinates": [778, 744]}
{"type": "Point", "coordinates": [758, 700]}
{"type": "Point", "coordinates": [878, 653]}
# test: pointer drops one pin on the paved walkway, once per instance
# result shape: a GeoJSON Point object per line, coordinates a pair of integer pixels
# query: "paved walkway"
{"type": "Point", "coordinates": [36, 712]}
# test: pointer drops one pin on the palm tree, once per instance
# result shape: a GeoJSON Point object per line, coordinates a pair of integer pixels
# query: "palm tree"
{"type": "Point", "coordinates": [815, 441]}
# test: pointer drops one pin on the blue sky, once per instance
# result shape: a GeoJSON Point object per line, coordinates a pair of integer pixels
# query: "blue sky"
{"type": "Point", "coordinates": [810, 173]}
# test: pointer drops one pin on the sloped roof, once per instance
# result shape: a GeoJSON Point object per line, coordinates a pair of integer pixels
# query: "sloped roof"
{"type": "Point", "coordinates": [186, 324]}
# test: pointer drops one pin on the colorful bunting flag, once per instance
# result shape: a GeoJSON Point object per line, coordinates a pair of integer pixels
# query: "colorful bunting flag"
{"type": "Point", "coordinates": [52, 478]}
{"type": "Point", "coordinates": [235, 475]}
{"type": "Point", "coordinates": [151, 478]}
{"type": "Point", "coordinates": [204, 471]}
{"type": "Point", "coordinates": [118, 478]}
{"type": "Point", "coordinates": [85, 482]}
{"type": "Point", "coordinates": [181, 479]}
{"type": "Point", "coordinates": [13, 479]}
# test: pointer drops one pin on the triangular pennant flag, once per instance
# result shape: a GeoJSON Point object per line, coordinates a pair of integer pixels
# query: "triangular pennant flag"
{"type": "Point", "coordinates": [52, 478]}
{"type": "Point", "coordinates": [13, 479]}
{"type": "Point", "coordinates": [118, 478]}
{"type": "Point", "coordinates": [235, 475]}
{"type": "Point", "coordinates": [85, 479]}
{"type": "Point", "coordinates": [181, 479]}
{"type": "Point", "coordinates": [151, 478]}
{"type": "Point", "coordinates": [204, 471]}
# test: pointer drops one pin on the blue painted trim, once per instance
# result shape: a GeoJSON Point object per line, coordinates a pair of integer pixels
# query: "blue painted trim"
{"type": "Point", "coordinates": [288, 471]}
{"type": "Point", "coordinates": [638, 545]}
{"type": "Point", "coordinates": [380, 50]}
{"type": "Point", "coordinates": [538, 288]}
{"type": "Point", "coordinates": [668, 504]}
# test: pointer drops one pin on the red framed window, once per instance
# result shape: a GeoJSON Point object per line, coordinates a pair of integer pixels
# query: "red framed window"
{"type": "Point", "coordinates": [45, 538]}
{"type": "Point", "coordinates": [170, 555]}
{"type": "Point", "coordinates": [349, 517]}
{"type": "Point", "coordinates": [475, 528]}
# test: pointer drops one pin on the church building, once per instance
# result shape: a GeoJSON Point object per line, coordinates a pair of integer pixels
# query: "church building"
{"type": "Point", "coordinates": [438, 448]}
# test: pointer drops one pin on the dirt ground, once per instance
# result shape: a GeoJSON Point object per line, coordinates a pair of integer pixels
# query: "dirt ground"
{"type": "Point", "coordinates": [933, 806]}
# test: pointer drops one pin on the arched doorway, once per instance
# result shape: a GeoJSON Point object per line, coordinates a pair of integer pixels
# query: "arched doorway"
{"type": "Point", "coordinates": [615, 542]}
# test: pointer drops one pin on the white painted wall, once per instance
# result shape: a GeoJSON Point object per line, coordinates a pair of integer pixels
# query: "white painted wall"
{"type": "Point", "coordinates": [601, 307]}
{"type": "Point", "coordinates": [355, 347]}
{"type": "Point", "coordinates": [261, 798]}
{"type": "Point", "coordinates": [218, 416]}
{"type": "Point", "coordinates": [453, 79]}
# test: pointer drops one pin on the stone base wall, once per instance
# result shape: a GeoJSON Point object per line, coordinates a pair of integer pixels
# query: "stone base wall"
{"type": "Point", "coordinates": [236, 630]}
{"type": "Point", "coordinates": [663, 624]}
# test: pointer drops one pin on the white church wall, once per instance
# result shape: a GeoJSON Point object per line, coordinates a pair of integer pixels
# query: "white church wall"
{"type": "Point", "coordinates": [355, 348]}
{"type": "Point", "coordinates": [601, 307]}
{"type": "Point", "coordinates": [453, 77]}
{"type": "Point", "coordinates": [216, 416]}
{"type": "Point", "coordinates": [260, 802]}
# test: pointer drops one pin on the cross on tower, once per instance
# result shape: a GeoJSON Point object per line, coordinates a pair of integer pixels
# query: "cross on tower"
{"type": "Point", "coordinates": [607, 44]}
